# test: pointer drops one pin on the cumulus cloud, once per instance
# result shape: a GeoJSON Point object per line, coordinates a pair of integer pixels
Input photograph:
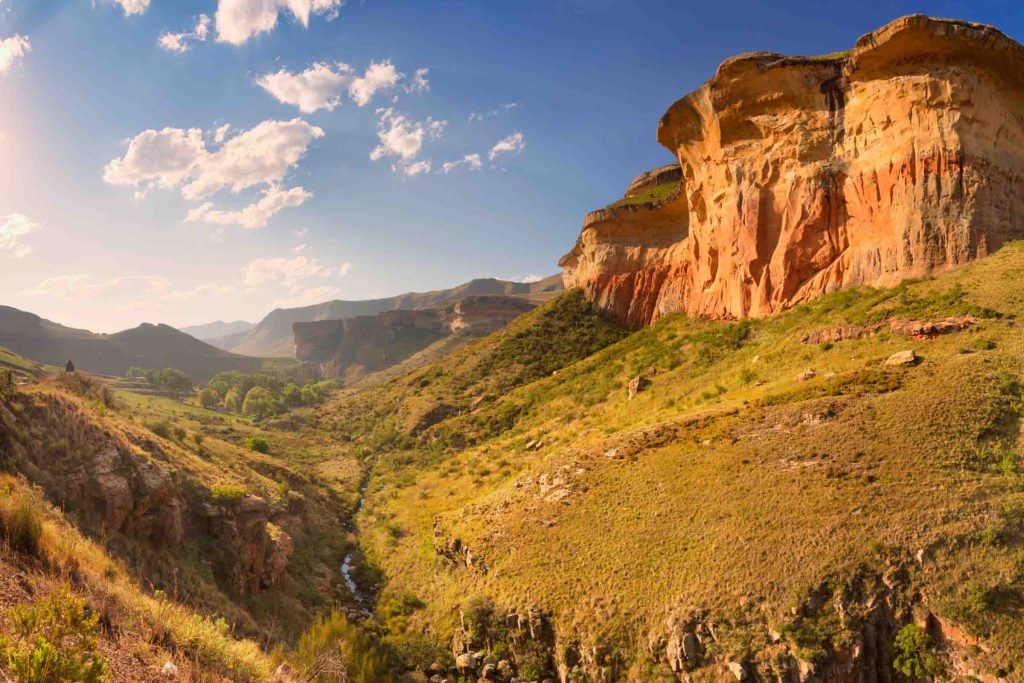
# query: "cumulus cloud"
{"type": "Point", "coordinates": [318, 87]}
{"type": "Point", "coordinates": [255, 215]}
{"type": "Point", "coordinates": [12, 49]}
{"type": "Point", "coordinates": [415, 168]}
{"type": "Point", "coordinates": [379, 76]}
{"type": "Point", "coordinates": [511, 143]}
{"type": "Point", "coordinates": [131, 7]}
{"type": "Point", "coordinates": [470, 161]}
{"type": "Point", "coordinates": [306, 296]}
{"type": "Point", "coordinates": [206, 291]}
{"type": "Point", "coordinates": [13, 229]}
{"type": "Point", "coordinates": [239, 20]}
{"type": "Point", "coordinates": [182, 42]}
{"type": "Point", "coordinates": [402, 137]}
{"type": "Point", "coordinates": [321, 86]}
{"type": "Point", "coordinates": [259, 157]}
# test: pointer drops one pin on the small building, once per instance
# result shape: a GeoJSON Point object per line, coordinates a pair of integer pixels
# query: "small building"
{"type": "Point", "coordinates": [70, 367]}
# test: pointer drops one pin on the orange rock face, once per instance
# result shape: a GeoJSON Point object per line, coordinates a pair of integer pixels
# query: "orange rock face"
{"type": "Point", "coordinates": [901, 157]}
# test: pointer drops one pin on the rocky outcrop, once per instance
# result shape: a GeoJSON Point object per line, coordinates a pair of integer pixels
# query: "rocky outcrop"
{"type": "Point", "coordinates": [258, 551]}
{"type": "Point", "coordinates": [376, 342]}
{"type": "Point", "coordinates": [803, 175]}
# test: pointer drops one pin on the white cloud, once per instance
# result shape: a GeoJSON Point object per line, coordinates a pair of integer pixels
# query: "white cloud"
{"type": "Point", "coordinates": [511, 143]}
{"type": "Point", "coordinates": [13, 228]}
{"type": "Point", "coordinates": [318, 87]}
{"type": "Point", "coordinates": [165, 158]}
{"type": "Point", "coordinates": [480, 116]}
{"type": "Point", "coordinates": [401, 137]}
{"type": "Point", "coordinates": [470, 161]}
{"type": "Point", "coordinates": [415, 168]}
{"type": "Point", "coordinates": [220, 133]}
{"type": "Point", "coordinates": [344, 269]}
{"type": "Point", "coordinates": [283, 271]}
{"type": "Point", "coordinates": [182, 42]}
{"type": "Point", "coordinates": [255, 215]}
{"type": "Point", "coordinates": [131, 7]}
{"type": "Point", "coordinates": [527, 278]}
{"type": "Point", "coordinates": [207, 291]}
{"type": "Point", "coordinates": [321, 86]}
{"type": "Point", "coordinates": [259, 157]}
{"type": "Point", "coordinates": [379, 76]}
{"type": "Point", "coordinates": [297, 249]}
{"type": "Point", "coordinates": [11, 50]}
{"type": "Point", "coordinates": [418, 83]}
{"type": "Point", "coordinates": [239, 20]}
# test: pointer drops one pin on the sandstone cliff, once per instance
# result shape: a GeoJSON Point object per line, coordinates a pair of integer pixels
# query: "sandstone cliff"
{"type": "Point", "coordinates": [802, 175]}
{"type": "Point", "coordinates": [369, 343]}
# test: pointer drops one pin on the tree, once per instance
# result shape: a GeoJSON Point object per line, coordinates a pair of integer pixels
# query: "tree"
{"type": "Point", "coordinates": [171, 379]}
{"type": "Point", "coordinates": [259, 402]}
{"type": "Point", "coordinates": [913, 655]}
{"type": "Point", "coordinates": [291, 395]}
{"type": "Point", "coordinates": [208, 398]}
{"type": "Point", "coordinates": [233, 401]}
{"type": "Point", "coordinates": [135, 371]}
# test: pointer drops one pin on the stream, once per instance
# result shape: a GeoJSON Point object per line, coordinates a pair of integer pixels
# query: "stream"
{"type": "Point", "coordinates": [346, 564]}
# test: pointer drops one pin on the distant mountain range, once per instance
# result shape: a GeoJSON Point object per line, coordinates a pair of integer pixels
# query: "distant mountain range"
{"type": "Point", "coordinates": [273, 335]}
{"type": "Point", "coordinates": [147, 346]}
{"type": "Point", "coordinates": [218, 329]}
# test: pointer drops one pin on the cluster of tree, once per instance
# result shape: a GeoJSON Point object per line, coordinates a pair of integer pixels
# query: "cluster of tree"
{"type": "Point", "coordinates": [260, 395]}
{"type": "Point", "coordinates": [7, 385]}
{"type": "Point", "coordinates": [169, 379]}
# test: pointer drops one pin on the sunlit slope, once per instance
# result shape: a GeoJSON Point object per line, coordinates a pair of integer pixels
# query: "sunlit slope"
{"type": "Point", "coordinates": [733, 486]}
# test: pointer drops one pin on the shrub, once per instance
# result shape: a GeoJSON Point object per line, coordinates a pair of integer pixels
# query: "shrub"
{"type": "Point", "coordinates": [913, 655]}
{"type": "Point", "coordinates": [21, 523]}
{"type": "Point", "coordinates": [227, 495]}
{"type": "Point", "coordinates": [7, 386]}
{"type": "Point", "coordinates": [161, 428]}
{"type": "Point", "coordinates": [258, 444]}
{"type": "Point", "coordinates": [259, 402]}
{"type": "Point", "coordinates": [208, 398]}
{"type": "Point", "coordinates": [478, 614]}
{"type": "Point", "coordinates": [333, 650]}
{"type": "Point", "coordinates": [54, 640]}
{"type": "Point", "coordinates": [233, 401]}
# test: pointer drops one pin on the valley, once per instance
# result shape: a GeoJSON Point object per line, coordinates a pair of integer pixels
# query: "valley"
{"type": "Point", "coordinates": [765, 425]}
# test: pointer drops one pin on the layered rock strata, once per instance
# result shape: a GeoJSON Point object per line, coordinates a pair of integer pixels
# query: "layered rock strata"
{"type": "Point", "coordinates": [802, 175]}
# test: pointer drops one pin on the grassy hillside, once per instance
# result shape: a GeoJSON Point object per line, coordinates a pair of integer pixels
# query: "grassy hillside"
{"type": "Point", "coordinates": [780, 505]}
{"type": "Point", "coordinates": [147, 346]}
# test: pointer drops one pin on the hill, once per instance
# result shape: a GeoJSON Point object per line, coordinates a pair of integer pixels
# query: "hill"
{"type": "Point", "coordinates": [147, 346]}
{"type": "Point", "coordinates": [272, 336]}
{"type": "Point", "coordinates": [803, 496]}
{"type": "Point", "coordinates": [216, 330]}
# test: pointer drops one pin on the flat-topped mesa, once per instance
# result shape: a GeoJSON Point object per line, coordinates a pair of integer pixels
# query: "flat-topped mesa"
{"type": "Point", "coordinates": [801, 175]}
{"type": "Point", "coordinates": [374, 342]}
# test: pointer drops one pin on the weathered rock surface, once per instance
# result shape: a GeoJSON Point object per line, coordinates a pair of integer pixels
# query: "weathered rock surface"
{"type": "Point", "coordinates": [379, 341]}
{"type": "Point", "coordinates": [899, 158]}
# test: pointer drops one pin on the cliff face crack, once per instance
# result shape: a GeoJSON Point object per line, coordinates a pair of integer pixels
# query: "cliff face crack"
{"type": "Point", "coordinates": [798, 176]}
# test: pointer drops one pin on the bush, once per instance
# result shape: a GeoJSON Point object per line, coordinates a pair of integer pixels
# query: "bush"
{"type": "Point", "coordinates": [913, 655]}
{"type": "Point", "coordinates": [233, 401]}
{"type": "Point", "coordinates": [7, 386]}
{"type": "Point", "coordinates": [257, 444]}
{"type": "Point", "coordinates": [334, 650]}
{"type": "Point", "coordinates": [21, 523]}
{"type": "Point", "coordinates": [227, 495]}
{"type": "Point", "coordinates": [161, 428]}
{"type": "Point", "coordinates": [208, 398]}
{"type": "Point", "coordinates": [54, 640]}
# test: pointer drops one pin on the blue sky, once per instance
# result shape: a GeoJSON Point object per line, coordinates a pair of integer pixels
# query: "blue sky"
{"type": "Point", "coordinates": [252, 192]}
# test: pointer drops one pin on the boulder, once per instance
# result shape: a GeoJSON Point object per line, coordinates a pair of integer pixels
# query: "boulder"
{"type": "Point", "coordinates": [636, 385]}
{"type": "Point", "coordinates": [806, 375]}
{"type": "Point", "coordinates": [902, 358]}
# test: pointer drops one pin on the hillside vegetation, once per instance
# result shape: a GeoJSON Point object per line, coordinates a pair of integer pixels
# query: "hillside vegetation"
{"type": "Point", "coordinates": [776, 500]}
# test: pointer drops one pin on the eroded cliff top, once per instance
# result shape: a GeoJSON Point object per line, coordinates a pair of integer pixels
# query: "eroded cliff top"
{"type": "Point", "coordinates": [904, 39]}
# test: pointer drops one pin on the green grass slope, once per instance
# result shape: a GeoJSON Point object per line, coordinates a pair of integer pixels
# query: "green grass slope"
{"type": "Point", "coordinates": [791, 521]}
